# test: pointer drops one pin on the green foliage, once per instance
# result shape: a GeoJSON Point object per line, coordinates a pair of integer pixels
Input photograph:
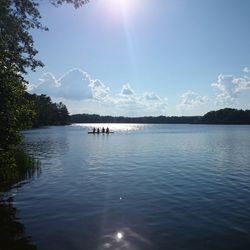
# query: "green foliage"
{"type": "Point", "coordinates": [16, 43]}
{"type": "Point", "coordinates": [17, 55]}
{"type": "Point", "coordinates": [15, 166]}
{"type": "Point", "coordinates": [17, 17]}
{"type": "Point", "coordinates": [226, 116]}
{"type": "Point", "coordinates": [16, 112]}
{"type": "Point", "coordinates": [47, 112]}
{"type": "Point", "coordinates": [86, 118]}
{"type": "Point", "coordinates": [76, 3]}
{"type": "Point", "coordinates": [222, 116]}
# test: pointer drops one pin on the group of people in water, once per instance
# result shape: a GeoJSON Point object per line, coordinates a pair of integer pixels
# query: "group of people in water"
{"type": "Point", "coordinates": [103, 130]}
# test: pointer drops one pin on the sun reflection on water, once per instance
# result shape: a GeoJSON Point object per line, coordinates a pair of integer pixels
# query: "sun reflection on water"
{"type": "Point", "coordinates": [119, 236]}
{"type": "Point", "coordinates": [116, 127]}
{"type": "Point", "coordinates": [124, 239]}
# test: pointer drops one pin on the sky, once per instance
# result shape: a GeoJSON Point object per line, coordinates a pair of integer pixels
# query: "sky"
{"type": "Point", "coordinates": [144, 57]}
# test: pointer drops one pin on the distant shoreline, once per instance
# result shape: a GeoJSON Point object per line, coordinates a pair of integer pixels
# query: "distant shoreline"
{"type": "Point", "coordinates": [225, 116]}
{"type": "Point", "coordinates": [230, 124]}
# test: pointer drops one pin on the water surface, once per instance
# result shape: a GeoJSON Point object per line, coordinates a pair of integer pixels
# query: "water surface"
{"type": "Point", "coordinates": [143, 187]}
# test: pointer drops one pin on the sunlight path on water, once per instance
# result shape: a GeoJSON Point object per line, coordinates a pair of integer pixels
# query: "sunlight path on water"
{"type": "Point", "coordinates": [121, 127]}
{"type": "Point", "coordinates": [145, 187]}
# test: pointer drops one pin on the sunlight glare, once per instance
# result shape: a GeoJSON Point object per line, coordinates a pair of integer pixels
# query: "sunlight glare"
{"type": "Point", "coordinates": [119, 236]}
{"type": "Point", "coordinates": [120, 7]}
{"type": "Point", "coordinates": [125, 4]}
{"type": "Point", "coordinates": [116, 127]}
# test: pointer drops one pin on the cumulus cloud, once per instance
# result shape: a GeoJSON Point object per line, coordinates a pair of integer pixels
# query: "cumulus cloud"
{"type": "Point", "coordinates": [78, 86]}
{"type": "Point", "coordinates": [242, 83]}
{"type": "Point", "coordinates": [192, 103]}
{"type": "Point", "coordinates": [150, 96]}
{"type": "Point", "coordinates": [192, 99]}
{"type": "Point", "coordinates": [73, 85]}
{"type": "Point", "coordinates": [246, 70]}
{"type": "Point", "coordinates": [99, 90]}
{"type": "Point", "coordinates": [49, 83]}
{"type": "Point", "coordinates": [229, 87]}
{"type": "Point", "coordinates": [127, 90]}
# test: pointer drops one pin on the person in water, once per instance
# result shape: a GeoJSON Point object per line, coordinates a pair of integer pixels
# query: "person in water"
{"type": "Point", "coordinates": [103, 130]}
{"type": "Point", "coordinates": [107, 130]}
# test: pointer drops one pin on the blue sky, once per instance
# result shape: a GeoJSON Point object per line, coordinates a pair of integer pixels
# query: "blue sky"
{"type": "Point", "coordinates": [142, 57]}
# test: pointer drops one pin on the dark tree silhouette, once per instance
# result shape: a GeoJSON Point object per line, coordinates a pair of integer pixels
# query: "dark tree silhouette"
{"type": "Point", "coordinates": [226, 116]}
{"type": "Point", "coordinates": [17, 55]}
{"type": "Point", "coordinates": [222, 116]}
{"type": "Point", "coordinates": [47, 112]}
{"type": "Point", "coordinates": [86, 118]}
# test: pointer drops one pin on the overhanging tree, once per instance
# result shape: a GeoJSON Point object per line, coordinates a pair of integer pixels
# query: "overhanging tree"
{"type": "Point", "coordinates": [17, 55]}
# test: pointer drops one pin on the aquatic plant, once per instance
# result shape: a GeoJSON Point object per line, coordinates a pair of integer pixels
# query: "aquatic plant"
{"type": "Point", "coordinates": [16, 166]}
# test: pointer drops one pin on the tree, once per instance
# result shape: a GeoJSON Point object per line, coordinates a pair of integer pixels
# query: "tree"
{"type": "Point", "coordinates": [47, 112]}
{"type": "Point", "coordinates": [62, 114]}
{"type": "Point", "coordinates": [16, 112]}
{"type": "Point", "coordinates": [226, 116]}
{"type": "Point", "coordinates": [17, 54]}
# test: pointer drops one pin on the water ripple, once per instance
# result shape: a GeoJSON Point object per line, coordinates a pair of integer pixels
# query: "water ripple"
{"type": "Point", "coordinates": [143, 187]}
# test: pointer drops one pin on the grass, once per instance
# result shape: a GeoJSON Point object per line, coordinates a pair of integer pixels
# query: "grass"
{"type": "Point", "coordinates": [16, 166]}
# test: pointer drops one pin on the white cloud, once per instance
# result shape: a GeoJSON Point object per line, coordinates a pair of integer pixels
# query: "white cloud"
{"type": "Point", "coordinates": [73, 85]}
{"type": "Point", "coordinates": [230, 86]}
{"type": "Point", "coordinates": [48, 82]}
{"type": "Point", "coordinates": [192, 103]}
{"type": "Point", "coordinates": [191, 99]}
{"type": "Point", "coordinates": [227, 89]}
{"type": "Point", "coordinates": [99, 90]}
{"type": "Point", "coordinates": [77, 86]}
{"type": "Point", "coordinates": [150, 96]}
{"type": "Point", "coordinates": [242, 83]}
{"type": "Point", "coordinates": [127, 90]}
{"type": "Point", "coordinates": [246, 70]}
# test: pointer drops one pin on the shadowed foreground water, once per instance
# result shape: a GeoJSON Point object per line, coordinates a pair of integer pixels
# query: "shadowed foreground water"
{"type": "Point", "coordinates": [143, 187]}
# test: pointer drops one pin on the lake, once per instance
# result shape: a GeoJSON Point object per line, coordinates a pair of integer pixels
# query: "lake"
{"type": "Point", "coordinates": [144, 187]}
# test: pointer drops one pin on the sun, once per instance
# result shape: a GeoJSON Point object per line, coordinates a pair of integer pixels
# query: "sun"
{"type": "Point", "coordinates": [120, 5]}
{"type": "Point", "coordinates": [120, 11]}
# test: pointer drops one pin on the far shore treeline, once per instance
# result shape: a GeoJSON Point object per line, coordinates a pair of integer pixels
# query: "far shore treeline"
{"type": "Point", "coordinates": [222, 116]}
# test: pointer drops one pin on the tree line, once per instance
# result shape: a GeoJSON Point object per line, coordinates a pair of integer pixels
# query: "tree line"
{"type": "Point", "coordinates": [222, 116]}
{"type": "Point", "coordinates": [226, 116]}
{"type": "Point", "coordinates": [47, 112]}
{"type": "Point", "coordinates": [86, 118]}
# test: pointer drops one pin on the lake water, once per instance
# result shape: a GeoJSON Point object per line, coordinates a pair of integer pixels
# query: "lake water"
{"type": "Point", "coordinates": [144, 187]}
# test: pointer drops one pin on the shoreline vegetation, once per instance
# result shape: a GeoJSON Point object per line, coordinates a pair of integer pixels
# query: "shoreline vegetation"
{"type": "Point", "coordinates": [47, 112]}
{"type": "Point", "coordinates": [18, 109]}
{"type": "Point", "coordinates": [226, 116]}
{"type": "Point", "coordinates": [16, 166]}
